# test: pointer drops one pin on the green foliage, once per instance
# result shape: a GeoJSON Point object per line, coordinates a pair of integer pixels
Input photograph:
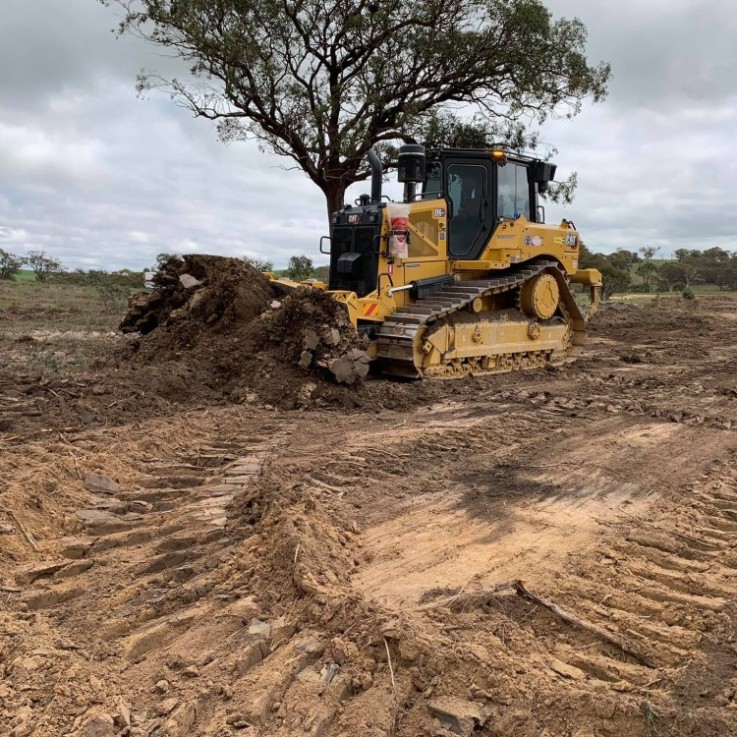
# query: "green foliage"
{"type": "Point", "coordinates": [615, 276]}
{"type": "Point", "coordinates": [45, 360]}
{"type": "Point", "coordinates": [589, 260]}
{"type": "Point", "coordinates": [712, 266]}
{"type": "Point", "coordinates": [300, 268]}
{"type": "Point", "coordinates": [94, 277]}
{"type": "Point", "coordinates": [623, 259]}
{"type": "Point", "coordinates": [113, 288]}
{"type": "Point", "coordinates": [691, 268]}
{"type": "Point", "coordinates": [688, 293]}
{"type": "Point", "coordinates": [678, 275]}
{"type": "Point", "coordinates": [321, 81]}
{"type": "Point", "coordinates": [442, 128]}
{"type": "Point", "coordinates": [648, 272]}
{"type": "Point", "coordinates": [114, 296]}
{"type": "Point", "coordinates": [717, 266]}
{"type": "Point", "coordinates": [322, 273]}
{"type": "Point", "coordinates": [43, 266]}
{"type": "Point", "coordinates": [78, 277]}
{"type": "Point", "coordinates": [648, 252]}
{"type": "Point", "coordinates": [562, 192]}
{"type": "Point", "coordinates": [684, 253]}
{"type": "Point", "coordinates": [614, 280]}
{"type": "Point", "coordinates": [9, 265]}
{"type": "Point", "coordinates": [258, 264]}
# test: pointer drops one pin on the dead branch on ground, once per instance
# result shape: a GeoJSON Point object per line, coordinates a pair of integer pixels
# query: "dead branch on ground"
{"type": "Point", "coordinates": [612, 639]}
{"type": "Point", "coordinates": [461, 601]}
{"type": "Point", "coordinates": [25, 532]}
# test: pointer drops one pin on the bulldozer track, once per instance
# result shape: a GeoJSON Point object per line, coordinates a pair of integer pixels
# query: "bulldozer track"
{"type": "Point", "coordinates": [398, 335]}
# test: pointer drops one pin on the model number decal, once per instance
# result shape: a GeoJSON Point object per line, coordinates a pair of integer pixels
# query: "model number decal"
{"type": "Point", "coordinates": [571, 241]}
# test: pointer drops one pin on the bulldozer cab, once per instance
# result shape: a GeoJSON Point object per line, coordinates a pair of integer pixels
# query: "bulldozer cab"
{"type": "Point", "coordinates": [481, 189]}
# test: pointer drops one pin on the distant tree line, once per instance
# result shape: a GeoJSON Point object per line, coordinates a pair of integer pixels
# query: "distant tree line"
{"type": "Point", "coordinates": [632, 271]}
{"type": "Point", "coordinates": [42, 265]}
{"type": "Point", "coordinates": [113, 288]}
{"type": "Point", "coordinates": [300, 268]}
{"type": "Point", "coordinates": [45, 268]}
{"type": "Point", "coordinates": [94, 277]}
{"type": "Point", "coordinates": [622, 271]}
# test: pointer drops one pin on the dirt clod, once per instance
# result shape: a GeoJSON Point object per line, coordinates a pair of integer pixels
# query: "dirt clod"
{"type": "Point", "coordinates": [99, 725]}
{"type": "Point", "coordinates": [99, 484]}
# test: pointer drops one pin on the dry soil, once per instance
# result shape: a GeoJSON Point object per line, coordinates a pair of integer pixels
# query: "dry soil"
{"type": "Point", "coordinates": [181, 556]}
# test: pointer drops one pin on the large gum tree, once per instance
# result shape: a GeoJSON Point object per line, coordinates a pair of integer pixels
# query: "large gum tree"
{"type": "Point", "coordinates": [322, 81]}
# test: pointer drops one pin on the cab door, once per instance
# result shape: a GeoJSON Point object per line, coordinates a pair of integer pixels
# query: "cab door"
{"type": "Point", "coordinates": [468, 186]}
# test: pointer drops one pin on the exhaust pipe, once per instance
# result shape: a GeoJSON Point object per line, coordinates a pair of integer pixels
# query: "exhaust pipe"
{"type": "Point", "coordinates": [376, 176]}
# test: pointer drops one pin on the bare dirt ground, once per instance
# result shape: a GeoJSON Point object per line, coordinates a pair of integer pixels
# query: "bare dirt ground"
{"type": "Point", "coordinates": [190, 557]}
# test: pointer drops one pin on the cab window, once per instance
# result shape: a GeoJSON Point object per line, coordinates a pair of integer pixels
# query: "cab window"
{"type": "Point", "coordinates": [514, 191]}
{"type": "Point", "coordinates": [433, 186]}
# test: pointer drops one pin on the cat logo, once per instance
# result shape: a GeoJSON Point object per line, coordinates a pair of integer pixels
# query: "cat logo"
{"type": "Point", "coordinates": [354, 219]}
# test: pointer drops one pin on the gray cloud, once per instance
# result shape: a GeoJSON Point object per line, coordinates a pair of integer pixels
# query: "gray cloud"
{"type": "Point", "coordinates": [656, 161]}
{"type": "Point", "coordinates": [97, 177]}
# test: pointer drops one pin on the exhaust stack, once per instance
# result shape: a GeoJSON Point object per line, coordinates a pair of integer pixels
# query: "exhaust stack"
{"type": "Point", "coordinates": [376, 176]}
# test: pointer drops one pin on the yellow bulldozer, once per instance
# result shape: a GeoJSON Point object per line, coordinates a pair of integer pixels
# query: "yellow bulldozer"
{"type": "Point", "coordinates": [464, 276]}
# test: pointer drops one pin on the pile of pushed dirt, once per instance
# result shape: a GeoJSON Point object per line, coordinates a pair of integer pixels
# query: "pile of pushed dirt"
{"type": "Point", "coordinates": [200, 291]}
{"type": "Point", "coordinates": [312, 330]}
{"type": "Point", "coordinates": [226, 323]}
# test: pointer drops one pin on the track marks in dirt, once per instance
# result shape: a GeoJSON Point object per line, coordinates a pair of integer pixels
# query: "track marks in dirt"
{"type": "Point", "coordinates": [665, 606]}
{"type": "Point", "coordinates": [582, 509]}
{"type": "Point", "coordinates": [148, 571]}
{"type": "Point", "coordinates": [501, 505]}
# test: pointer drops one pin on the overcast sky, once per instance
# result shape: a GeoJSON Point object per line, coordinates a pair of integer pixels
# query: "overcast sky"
{"type": "Point", "coordinates": [98, 177]}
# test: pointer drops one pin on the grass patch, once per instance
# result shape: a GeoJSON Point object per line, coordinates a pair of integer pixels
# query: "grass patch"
{"type": "Point", "coordinates": [712, 289]}
{"type": "Point", "coordinates": [28, 305]}
{"type": "Point", "coordinates": [25, 275]}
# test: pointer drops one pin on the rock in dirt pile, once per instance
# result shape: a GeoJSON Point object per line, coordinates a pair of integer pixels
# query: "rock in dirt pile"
{"type": "Point", "coordinates": [230, 318]}
{"type": "Point", "coordinates": [312, 330]}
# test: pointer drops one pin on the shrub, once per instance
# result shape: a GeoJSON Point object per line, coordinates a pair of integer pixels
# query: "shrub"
{"type": "Point", "coordinates": [9, 265]}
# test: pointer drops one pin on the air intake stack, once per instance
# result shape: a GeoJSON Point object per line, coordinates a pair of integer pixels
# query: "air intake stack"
{"type": "Point", "coordinates": [412, 168]}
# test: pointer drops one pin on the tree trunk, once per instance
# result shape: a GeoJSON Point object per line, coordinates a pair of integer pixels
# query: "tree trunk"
{"type": "Point", "coordinates": [334, 197]}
